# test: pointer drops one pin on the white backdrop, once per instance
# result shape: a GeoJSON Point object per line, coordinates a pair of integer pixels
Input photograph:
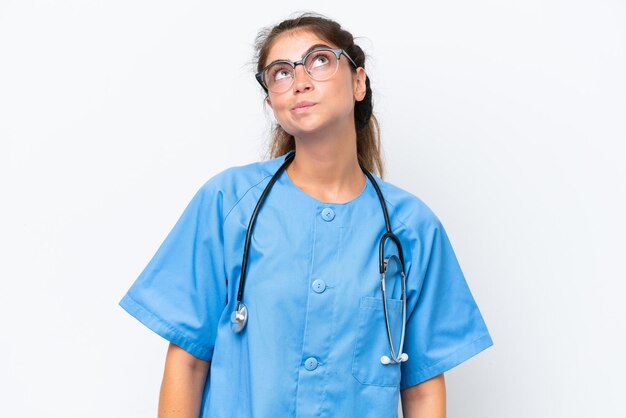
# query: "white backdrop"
{"type": "Point", "coordinates": [505, 117]}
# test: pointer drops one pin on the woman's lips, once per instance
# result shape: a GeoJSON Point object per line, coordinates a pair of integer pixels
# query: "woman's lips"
{"type": "Point", "coordinates": [302, 107]}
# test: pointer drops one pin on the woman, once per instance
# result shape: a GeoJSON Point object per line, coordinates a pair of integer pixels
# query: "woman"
{"type": "Point", "coordinates": [306, 334]}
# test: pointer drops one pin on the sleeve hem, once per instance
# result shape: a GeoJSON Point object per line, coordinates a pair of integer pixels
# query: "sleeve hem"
{"type": "Point", "coordinates": [453, 360]}
{"type": "Point", "coordinates": [164, 329]}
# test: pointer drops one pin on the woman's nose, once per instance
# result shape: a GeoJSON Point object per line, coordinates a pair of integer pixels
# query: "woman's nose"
{"type": "Point", "coordinates": [302, 81]}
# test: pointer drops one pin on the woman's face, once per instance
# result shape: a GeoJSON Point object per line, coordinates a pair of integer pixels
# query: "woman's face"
{"type": "Point", "coordinates": [329, 104]}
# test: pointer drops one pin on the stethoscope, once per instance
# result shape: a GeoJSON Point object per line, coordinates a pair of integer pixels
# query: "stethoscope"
{"type": "Point", "coordinates": [239, 317]}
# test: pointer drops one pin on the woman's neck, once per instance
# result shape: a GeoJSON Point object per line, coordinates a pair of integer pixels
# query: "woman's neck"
{"type": "Point", "coordinates": [327, 168]}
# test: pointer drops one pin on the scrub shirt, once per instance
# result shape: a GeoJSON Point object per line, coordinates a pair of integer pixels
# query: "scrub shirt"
{"type": "Point", "coordinates": [316, 329]}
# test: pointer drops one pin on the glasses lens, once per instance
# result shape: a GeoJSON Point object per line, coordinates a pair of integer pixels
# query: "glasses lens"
{"type": "Point", "coordinates": [278, 77]}
{"type": "Point", "coordinates": [321, 65]}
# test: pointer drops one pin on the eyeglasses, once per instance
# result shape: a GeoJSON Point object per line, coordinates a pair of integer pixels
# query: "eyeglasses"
{"type": "Point", "coordinates": [320, 64]}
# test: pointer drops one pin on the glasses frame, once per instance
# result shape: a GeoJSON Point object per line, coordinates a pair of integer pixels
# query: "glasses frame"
{"type": "Point", "coordinates": [337, 51]}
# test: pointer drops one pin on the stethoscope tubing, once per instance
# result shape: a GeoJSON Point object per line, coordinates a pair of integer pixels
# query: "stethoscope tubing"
{"type": "Point", "coordinates": [244, 262]}
{"type": "Point", "coordinates": [240, 315]}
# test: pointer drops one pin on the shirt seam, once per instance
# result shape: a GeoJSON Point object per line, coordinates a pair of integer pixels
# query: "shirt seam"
{"type": "Point", "coordinates": [397, 217]}
{"type": "Point", "coordinates": [242, 196]}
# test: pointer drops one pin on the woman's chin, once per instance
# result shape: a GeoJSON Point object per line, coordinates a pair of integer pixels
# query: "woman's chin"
{"type": "Point", "coordinates": [307, 130]}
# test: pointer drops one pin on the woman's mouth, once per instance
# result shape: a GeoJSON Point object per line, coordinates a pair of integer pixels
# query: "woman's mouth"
{"type": "Point", "coordinates": [302, 107]}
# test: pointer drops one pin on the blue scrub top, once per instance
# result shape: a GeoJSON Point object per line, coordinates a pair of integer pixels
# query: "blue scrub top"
{"type": "Point", "coordinates": [316, 329]}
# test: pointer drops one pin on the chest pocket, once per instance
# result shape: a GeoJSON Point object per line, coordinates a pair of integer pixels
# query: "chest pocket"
{"type": "Point", "coordinates": [372, 343]}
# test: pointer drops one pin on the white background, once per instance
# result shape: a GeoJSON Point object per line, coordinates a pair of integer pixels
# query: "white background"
{"type": "Point", "coordinates": [506, 118]}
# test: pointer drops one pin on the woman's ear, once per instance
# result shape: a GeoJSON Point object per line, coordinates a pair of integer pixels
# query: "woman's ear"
{"type": "Point", "coordinates": [359, 86]}
{"type": "Point", "coordinates": [269, 102]}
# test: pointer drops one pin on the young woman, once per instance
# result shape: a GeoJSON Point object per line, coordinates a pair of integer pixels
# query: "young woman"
{"type": "Point", "coordinates": [306, 285]}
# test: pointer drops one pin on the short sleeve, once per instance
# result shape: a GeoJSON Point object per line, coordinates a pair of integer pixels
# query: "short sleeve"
{"type": "Point", "coordinates": [182, 291]}
{"type": "Point", "coordinates": [444, 324]}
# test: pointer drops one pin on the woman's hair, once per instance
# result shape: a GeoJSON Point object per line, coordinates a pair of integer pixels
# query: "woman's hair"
{"type": "Point", "coordinates": [367, 128]}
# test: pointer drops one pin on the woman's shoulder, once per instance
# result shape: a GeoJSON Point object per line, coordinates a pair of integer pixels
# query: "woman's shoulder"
{"type": "Point", "coordinates": [232, 183]}
{"type": "Point", "coordinates": [245, 175]}
{"type": "Point", "coordinates": [407, 206]}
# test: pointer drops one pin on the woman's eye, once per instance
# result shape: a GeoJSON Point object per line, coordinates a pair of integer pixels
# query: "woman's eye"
{"type": "Point", "coordinates": [280, 74]}
{"type": "Point", "coordinates": [320, 60]}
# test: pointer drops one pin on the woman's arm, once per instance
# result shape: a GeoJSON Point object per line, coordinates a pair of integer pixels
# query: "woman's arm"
{"type": "Point", "coordinates": [426, 399]}
{"type": "Point", "coordinates": [183, 384]}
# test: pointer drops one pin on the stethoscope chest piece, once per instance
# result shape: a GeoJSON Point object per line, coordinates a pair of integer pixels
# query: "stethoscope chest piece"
{"type": "Point", "coordinates": [239, 318]}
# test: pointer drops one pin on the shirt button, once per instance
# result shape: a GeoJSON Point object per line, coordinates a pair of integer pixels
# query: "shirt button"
{"type": "Point", "coordinates": [319, 286]}
{"type": "Point", "coordinates": [310, 363]}
{"type": "Point", "coordinates": [328, 214]}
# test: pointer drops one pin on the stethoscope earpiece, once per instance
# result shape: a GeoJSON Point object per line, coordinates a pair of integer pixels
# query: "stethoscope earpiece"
{"type": "Point", "coordinates": [386, 360]}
